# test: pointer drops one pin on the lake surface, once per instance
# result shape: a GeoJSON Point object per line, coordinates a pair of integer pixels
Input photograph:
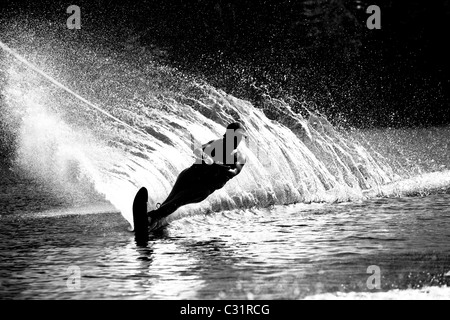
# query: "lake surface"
{"type": "Point", "coordinates": [316, 251]}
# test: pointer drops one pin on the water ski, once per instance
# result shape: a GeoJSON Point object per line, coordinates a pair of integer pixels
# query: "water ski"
{"type": "Point", "coordinates": [140, 218]}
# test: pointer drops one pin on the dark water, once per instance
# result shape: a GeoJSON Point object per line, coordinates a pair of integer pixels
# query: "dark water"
{"type": "Point", "coordinates": [285, 252]}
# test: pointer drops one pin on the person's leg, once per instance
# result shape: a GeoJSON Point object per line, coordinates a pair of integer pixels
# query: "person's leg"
{"type": "Point", "coordinates": [185, 181]}
{"type": "Point", "coordinates": [182, 198]}
{"type": "Point", "coordinates": [191, 186]}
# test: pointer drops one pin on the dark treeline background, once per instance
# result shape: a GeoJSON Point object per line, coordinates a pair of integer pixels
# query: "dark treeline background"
{"type": "Point", "coordinates": [314, 51]}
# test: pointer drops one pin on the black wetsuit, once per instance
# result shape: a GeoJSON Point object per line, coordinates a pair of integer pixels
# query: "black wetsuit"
{"type": "Point", "coordinates": [196, 183]}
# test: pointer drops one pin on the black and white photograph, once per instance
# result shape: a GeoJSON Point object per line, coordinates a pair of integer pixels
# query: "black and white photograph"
{"type": "Point", "coordinates": [224, 150]}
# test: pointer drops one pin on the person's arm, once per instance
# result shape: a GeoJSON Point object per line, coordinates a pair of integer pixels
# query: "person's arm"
{"type": "Point", "coordinates": [240, 162]}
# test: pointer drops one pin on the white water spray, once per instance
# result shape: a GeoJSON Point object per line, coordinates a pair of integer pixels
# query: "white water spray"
{"type": "Point", "coordinates": [60, 85]}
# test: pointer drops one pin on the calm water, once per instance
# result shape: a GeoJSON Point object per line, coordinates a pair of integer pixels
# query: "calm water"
{"type": "Point", "coordinates": [300, 251]}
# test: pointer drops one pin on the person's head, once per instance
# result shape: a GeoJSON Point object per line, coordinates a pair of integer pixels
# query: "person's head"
{"type": "Point", "coordinates": [237, 131]}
